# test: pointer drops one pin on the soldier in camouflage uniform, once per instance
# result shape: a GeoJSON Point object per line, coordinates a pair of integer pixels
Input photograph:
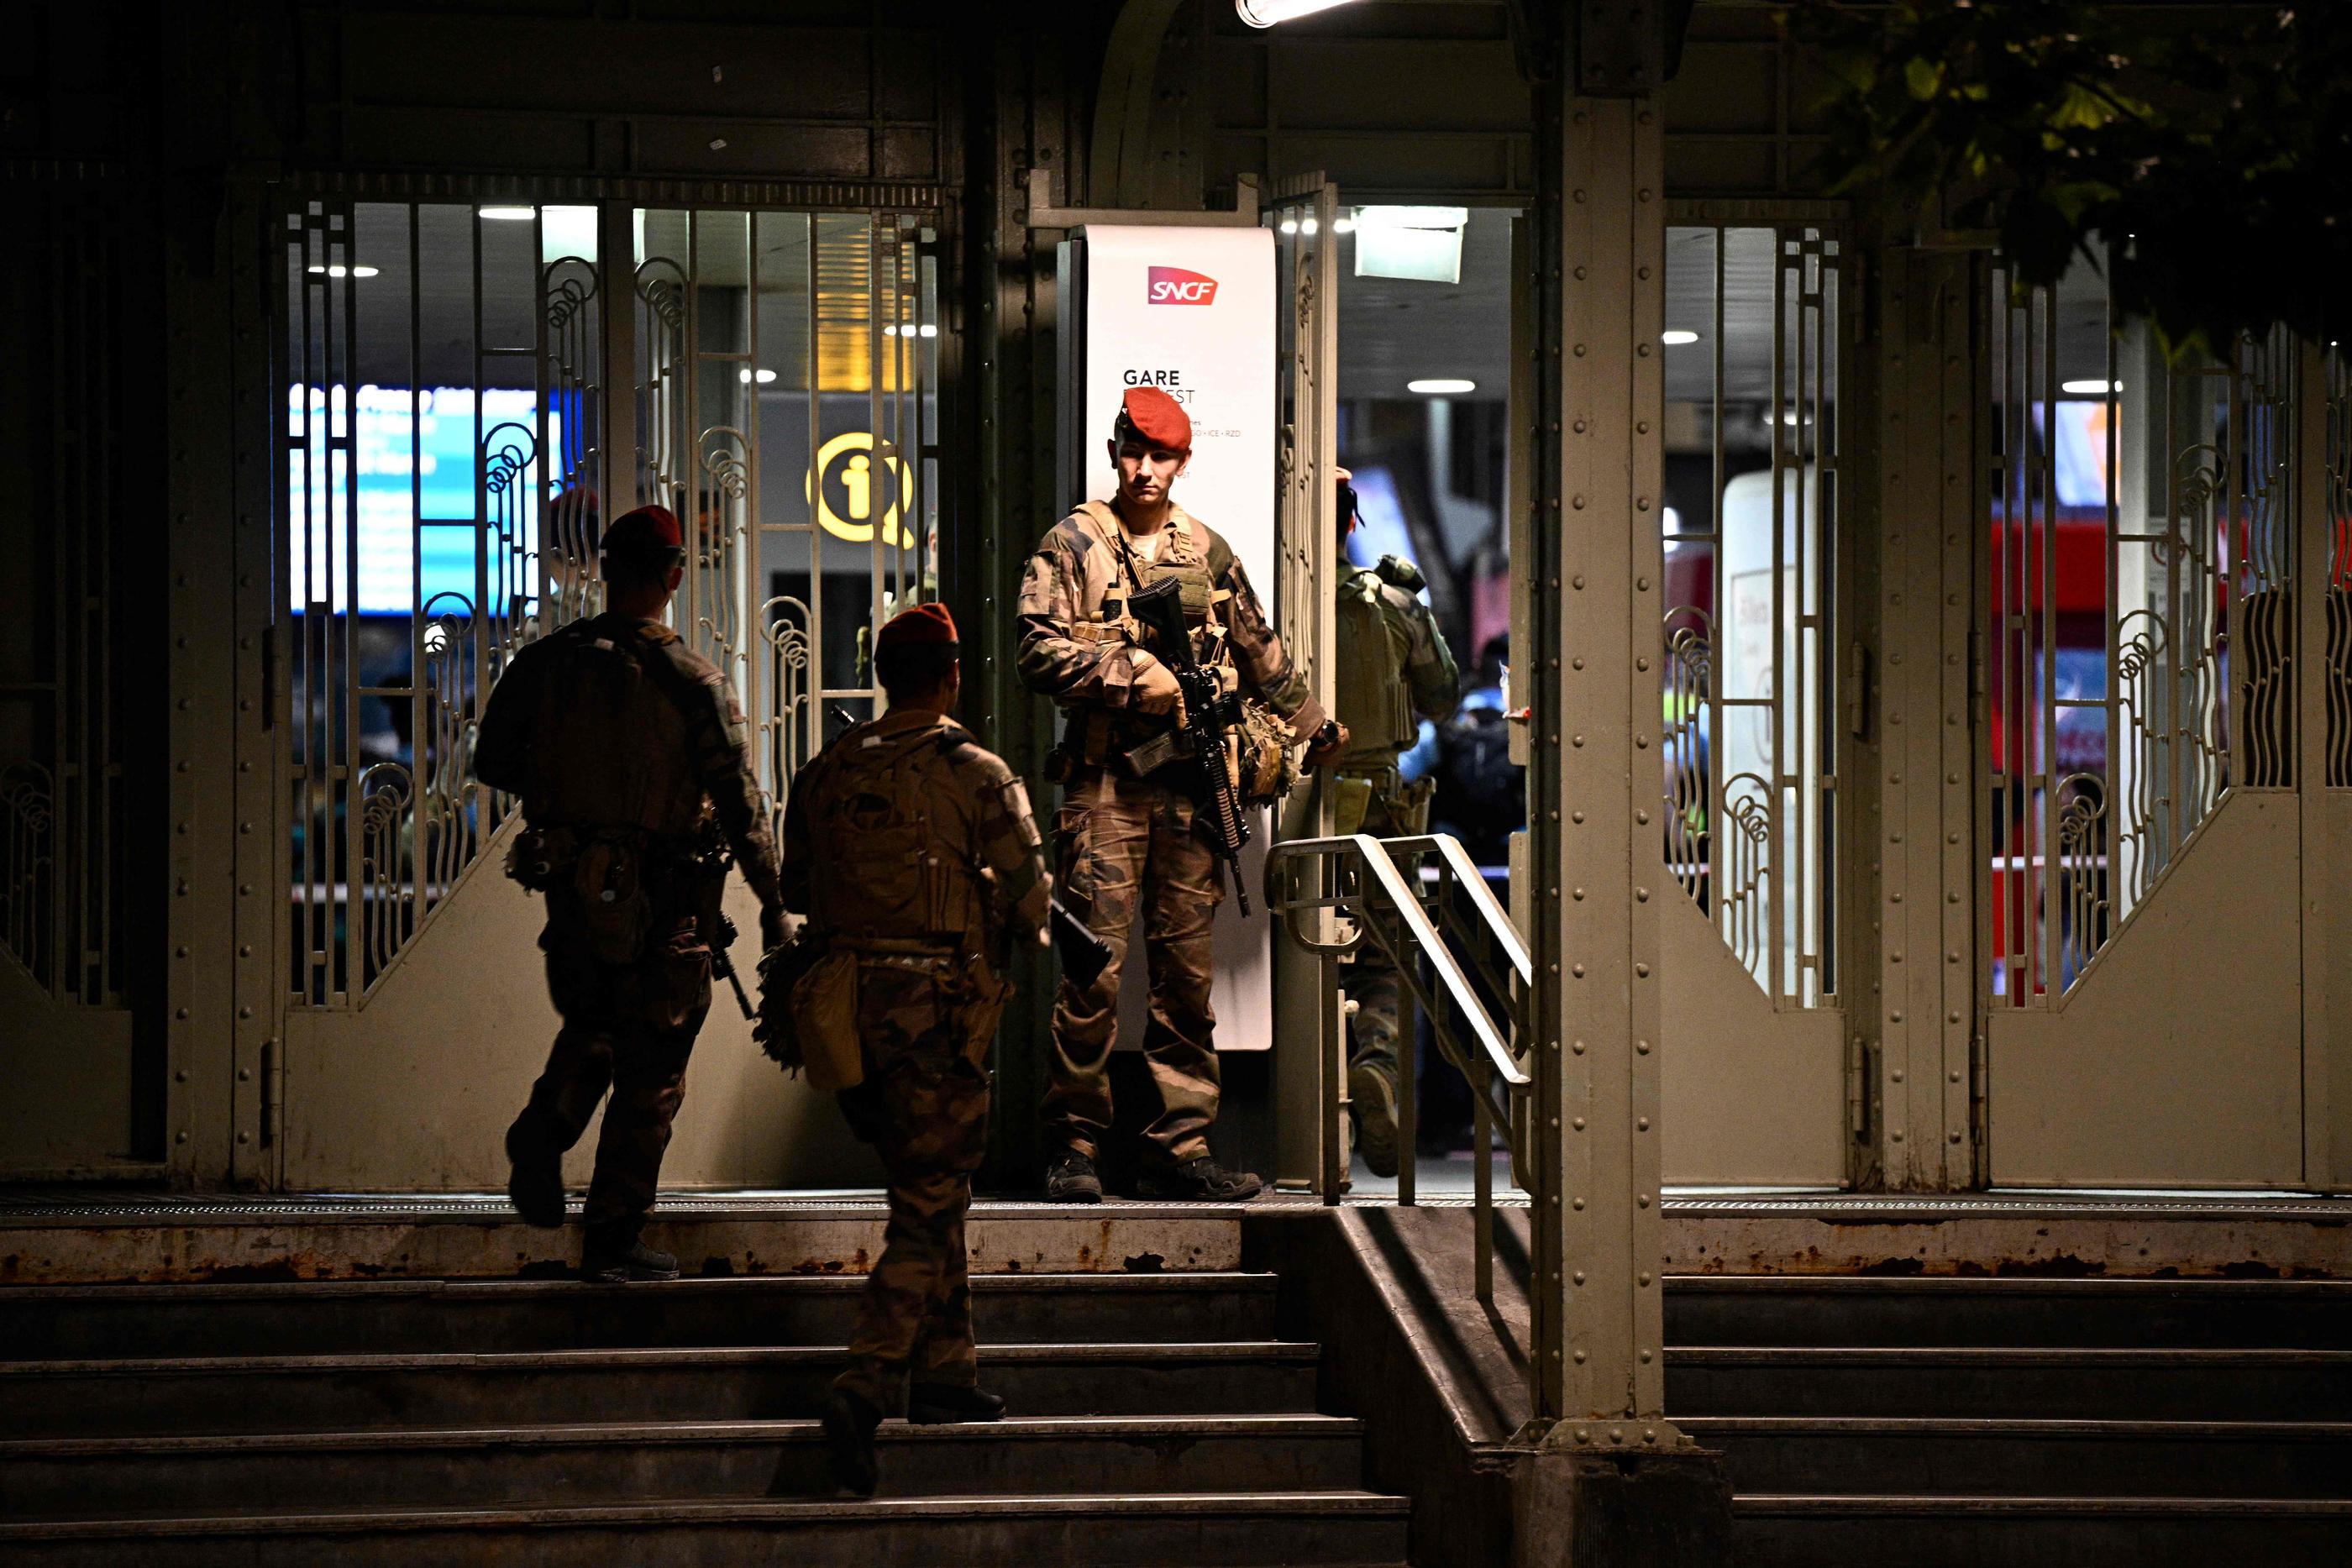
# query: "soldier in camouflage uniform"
{"type": "Point", "coordinates": [1124, 838]}
{"type": "Point", "coordinates": [1393, 665]}
{"type": "Point", "coordinates": [910, 845]}
{"type": "Point", "coordinates": [615, 735]}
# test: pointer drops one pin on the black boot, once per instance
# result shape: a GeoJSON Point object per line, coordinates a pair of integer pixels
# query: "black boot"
{"type": "Point", "coordinates": [617, 1256]}
{"type": "Point", "coordinates": [1198, 1180]}
{"type": "Point", "coordinates": [535, 1184]}
{"type": "Point", "coordinates": [950, 1404]}
{"type": "Point", "coordinates": [1071, 1178]}
{"type": "Point", "coordinates": [849, 1423]}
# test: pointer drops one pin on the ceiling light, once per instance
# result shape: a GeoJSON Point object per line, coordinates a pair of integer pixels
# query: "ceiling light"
{"type": "Point", "coordinates": [1343, 224]}
{"type": "Point", "coordinates": [1676, 337]}
{"type": "Point", "coordinates": [1290, 226]}
{"type": "Point", "coordinates": [930, 331]}
{"type": "Point", "coordinates": [511, 214]}
{"type": "Point", "coordinates": [342, 272]}
{"type": "Point", "coordinates": [2094, 388]}
{"type": "Point", "coordinates": [1308, 225]}
{"type": "Point", "coordinates": [1269, 13]}
{"type": "Point", "coordinates": [1442, 386]}
{"type": "Point", "coordinates": [748, 375]}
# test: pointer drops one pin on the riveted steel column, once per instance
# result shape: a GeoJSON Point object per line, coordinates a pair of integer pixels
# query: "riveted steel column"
{"type": "Point", "coordinates": [2325, 1157]}
{"type": "Point", "coordinates": [1593, 795]}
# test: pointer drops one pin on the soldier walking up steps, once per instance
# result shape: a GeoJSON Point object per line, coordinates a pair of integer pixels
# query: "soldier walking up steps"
{"type": "Point", "coordinates": [623, 745]}
{"type": "Point", "coordinates": [1131, 827]}
{"type": "Point", "coordinates": [913, 853]}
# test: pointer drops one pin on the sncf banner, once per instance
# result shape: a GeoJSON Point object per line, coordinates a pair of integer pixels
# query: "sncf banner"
{"type": "Point", "coordinates": [1191, 311]}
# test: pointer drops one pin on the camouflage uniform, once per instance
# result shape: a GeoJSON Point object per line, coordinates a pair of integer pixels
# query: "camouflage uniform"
{"type": "Point", "coordinates": [929, 866]}
{"type": "Point", "coordinates": [1393, 664]}
{"type": "Point", "coordinates": [1120, 840]}
{"type": "Point", "coordinates": [614, 733]}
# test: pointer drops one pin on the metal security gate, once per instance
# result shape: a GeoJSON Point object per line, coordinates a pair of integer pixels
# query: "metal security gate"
{"type": "Point", "coordinates": [2161, 688]}
{"type": "Point", "coordinates": [1751, 737]}
{"type": "Point", "coordinates": [463, 392]}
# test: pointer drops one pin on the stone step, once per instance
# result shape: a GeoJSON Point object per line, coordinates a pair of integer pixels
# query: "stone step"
{"type": "Point", "coordinates": [335, 1393]}
{"type": "Point", "coordinates": [1212, 1530]}
{"type": "Point", "coordinates": [418, 1315]}
{"type": "Point", "coordinates": [2118, 1385]}
{"type": "Point", "coordinates": [2171, 1313]}
{"type": "Point", "coordinates": [1966, 1532]}
{"type": "Point", "coordinates": [2027, 1457]}
{"type": "Point", "coordinates": [688, 1461]}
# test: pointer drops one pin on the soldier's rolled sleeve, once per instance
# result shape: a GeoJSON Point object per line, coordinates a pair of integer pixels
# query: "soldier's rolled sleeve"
{"type": "Point", "coordinates": [1435, 680]}
{"type": "Point", "coordinates": [797, 862]}
{"type": "Point", "coordinates": [1052, 662]}
{"type": "Point", "coordinates": [722, 755]}
{"type": "Point", "coordinates": [1010, 846]}
{"type": "Point", "coordinates": [502, 741]}
{"type": "Point", "coordinates": [1264, 662]}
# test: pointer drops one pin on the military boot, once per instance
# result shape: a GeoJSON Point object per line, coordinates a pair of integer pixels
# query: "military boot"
{"type": "Point", "coordinates": [950, 1404]}
{"type": "Point", "coordinates": [1198, 1180]}
{"type": "Point", "coordinates": [1371, 1093]}
{"type": "Point", "coordinates": [1071, 1178]}
{"type": "Point", "coordinates": [615, 1257]}
{"type": "Point", "coordinates": [535, 1182]}
{"type": "Point", "coordinates": [849, 1423]}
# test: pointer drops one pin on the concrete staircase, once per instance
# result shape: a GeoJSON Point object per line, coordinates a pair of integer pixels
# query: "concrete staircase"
{"type": "Point", "coordinates": [2023, 1422]}
{"type": "Point", "coordinates": [411, 1422]}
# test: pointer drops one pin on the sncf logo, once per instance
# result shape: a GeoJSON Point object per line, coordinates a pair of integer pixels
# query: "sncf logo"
{"type": "Point", "coordinates": [1175, 286]}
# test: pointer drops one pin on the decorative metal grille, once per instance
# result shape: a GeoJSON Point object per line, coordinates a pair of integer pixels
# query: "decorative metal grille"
{"type": "Point", "coordinates": [1751, 528]}
{"type": "Point", "coordinates": [2339, 570]}
{"type": "Point", "coordinates": [784, 406]}
{"type": "Point", "coordinates": [61, 756]}
{"type": "Point", "coordinates": [438, 431]}
{"type": "Point", "coordinates": [2135, 654]}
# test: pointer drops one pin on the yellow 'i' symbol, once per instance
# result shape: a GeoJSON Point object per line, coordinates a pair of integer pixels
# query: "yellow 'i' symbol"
{"type": "Point", "coordinates": [857, 479]}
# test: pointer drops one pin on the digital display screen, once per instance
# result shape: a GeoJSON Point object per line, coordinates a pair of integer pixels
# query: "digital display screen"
{"type": "Point", "coordinates": [401, 508]}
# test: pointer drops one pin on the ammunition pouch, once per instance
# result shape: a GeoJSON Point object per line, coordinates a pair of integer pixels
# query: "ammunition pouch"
{"type": "Point", "coordinates": [617, 907]}
{"type": "Point", "coordinates": [541, 859]}
{"type": "Point", "coordinates": [1351, 802]}
{"type": "Point", "coordinates": [1405, 807]}
{"type": "Point", "coordinates": [823, 1007]}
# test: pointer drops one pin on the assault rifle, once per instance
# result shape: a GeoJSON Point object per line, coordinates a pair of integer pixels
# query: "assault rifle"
{"type": "Point", "coordinates": [1209, 715]}
{"type": "Point", "coordinates": [723, 964]}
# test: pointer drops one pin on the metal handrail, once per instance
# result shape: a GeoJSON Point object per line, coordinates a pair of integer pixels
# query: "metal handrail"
{"type": "Point", "coordinates": [1388, 908]}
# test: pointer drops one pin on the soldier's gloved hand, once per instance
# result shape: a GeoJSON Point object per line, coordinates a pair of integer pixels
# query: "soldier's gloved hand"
{"type": "Point", "coordinates": [1328, 742]}
{"type": "Point", "coordinates": [1155, 688]}
{"type": "Point", "coordinates": [772, 928]}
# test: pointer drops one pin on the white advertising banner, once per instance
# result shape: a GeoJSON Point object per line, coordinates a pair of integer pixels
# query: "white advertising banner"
{"type": "Point", "coordinates": [1192, 311]}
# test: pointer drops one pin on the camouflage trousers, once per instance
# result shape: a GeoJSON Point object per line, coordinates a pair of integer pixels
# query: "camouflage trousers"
{"type": "Point", "coordinates": [1369, 979]}
{"type": "Point", "coordinates": [924, 1106]}
{"type": "Point", "coordinates": [1120, 844]}
{"type": "Point", "coordinates": [628, 1028]}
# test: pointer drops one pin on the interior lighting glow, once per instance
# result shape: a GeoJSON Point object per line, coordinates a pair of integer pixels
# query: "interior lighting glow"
{"type": "Point", "coordinates": [1272, 13]}
{"type": "Point", "coordinates": [1442, 386]}
{"type": "Point", "coordinates": [1678, 336]}
{"type": "Point", "coordinates": [2090, 388]}
{"type": "Point", "coordinates": [1290, 226]}
{"type": "Point", "coordinates": [342, 272]}
{"type": "Point", "coordinates": [1308, 226]}
{"type": "Point", "coordinates": [748, 375]}
{"type": "Point", "coordinates": [511, 214]}
{"type": "Point", "coordinates": [1343, 224]}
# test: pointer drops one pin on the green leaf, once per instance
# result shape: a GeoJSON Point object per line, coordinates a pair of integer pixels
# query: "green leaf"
{"type": "Point", "coordinates": [1923, 78]}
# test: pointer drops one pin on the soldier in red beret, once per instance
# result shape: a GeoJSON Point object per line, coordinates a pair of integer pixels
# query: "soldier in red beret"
{"type": "Point", "coordinates": [910, 846]}
{"type": "Point", "coordinates": [1130, 834]}
{"type": "Point", "coordinates": [623, 745]}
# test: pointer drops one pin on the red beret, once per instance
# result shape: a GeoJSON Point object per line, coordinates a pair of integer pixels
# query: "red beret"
{"type": "Point", "coordinates": [646, 530]}
{"type": "Point", "coordinates": [924, 624]}
{"type": "Point", "coordinates": [1158, 418]}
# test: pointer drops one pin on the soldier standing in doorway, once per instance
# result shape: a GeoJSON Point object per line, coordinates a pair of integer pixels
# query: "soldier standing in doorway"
{"type": "Point", "coordinates": [913, 853]}
{"type": "Point", "coordinates": [1394, 669]}
{"type": "Point", "coordinates": [627, 749]}
{"type": "Point", "coordinates": [1133, 832]}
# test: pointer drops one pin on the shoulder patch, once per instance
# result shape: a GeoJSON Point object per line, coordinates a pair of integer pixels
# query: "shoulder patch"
{"type": "Point", "coordinates": [1395, 569]}
{"type": "Point", "coordinates": [654, 631]}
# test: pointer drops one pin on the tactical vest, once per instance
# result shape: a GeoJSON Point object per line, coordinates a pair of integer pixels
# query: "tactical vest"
{"type": "Point", "coordinates": [610, 747]}
{"type": "Point", "coordinates": [1097, 735]}
{"type": "Point", "coordinates": [1374, 646]}
{"type": "Point", "coordinates": [883, 874]}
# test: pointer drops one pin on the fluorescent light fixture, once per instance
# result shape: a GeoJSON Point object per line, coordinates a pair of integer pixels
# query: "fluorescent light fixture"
{"type": "Point", "coordinates": [1420, 244]}
{"type": "Point", "coordinates": [2090, 388]}
{"type": "Point", "coordinates": [511, 214]}
{"type": "Point", "coordinates": [747, 375]}
{"type": "Point", "coordinates": [1290, 226]}
{"type": "Point", "coordinates": [1442, 386]}
{"type": "Point", "coordinates": [930, 331]}
{"type": "Point", "coordinates": [342, 272]}
{"type": "Point", "coordinates": [1308, 225]}
{"type": "Point", "coordinates": [1272, 13]}
{"type": "Point", "coordinates": [567, 231]}
{"type": "Point", "coordinates": [1343, 224]}
{"type": "Point", "coordinates": [1677, 336]}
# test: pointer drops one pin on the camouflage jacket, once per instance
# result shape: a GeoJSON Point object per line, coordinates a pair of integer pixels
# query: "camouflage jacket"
{"type": "Point", "coordinates": [907, 830]}
{"type": "Point", "coordinates": [1068, 653]}
{"type": "Point", "coordinates": [613, 722]}
{"type": "Point", "coordinates": [1389, 681]}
